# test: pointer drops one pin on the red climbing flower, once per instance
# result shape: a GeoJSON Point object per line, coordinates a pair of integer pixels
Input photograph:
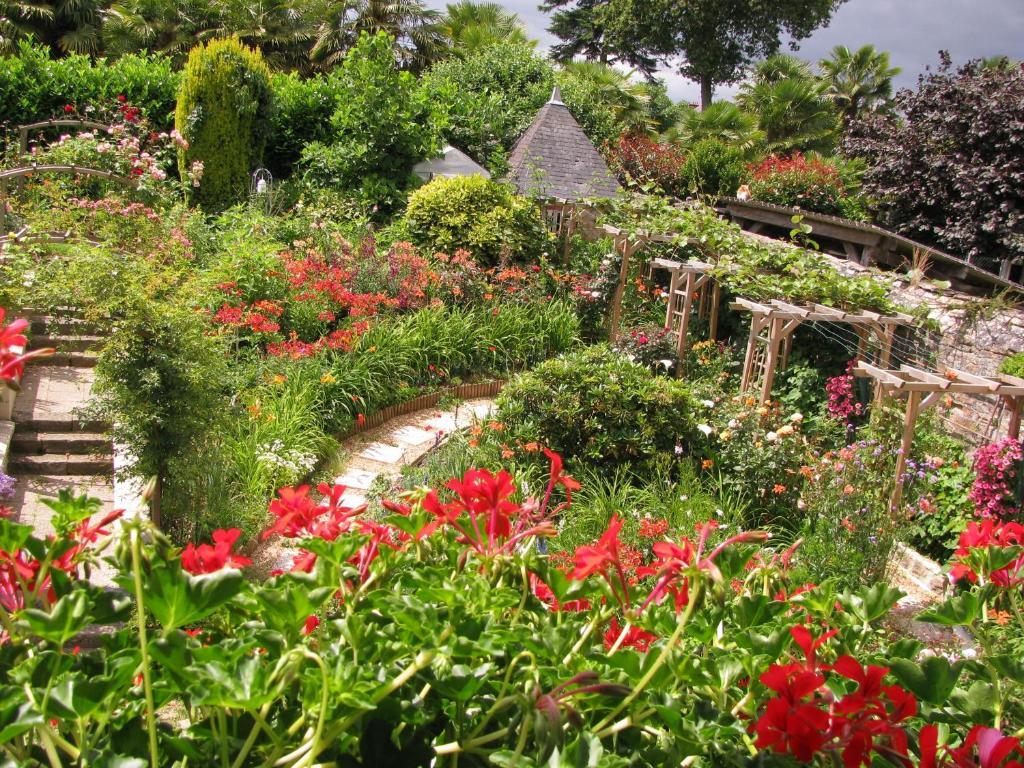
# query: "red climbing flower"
{"type": "Point", "coordinates": [208, 558]}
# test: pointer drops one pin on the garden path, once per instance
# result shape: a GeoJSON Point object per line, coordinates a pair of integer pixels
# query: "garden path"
{"type": "Point", "coordinates": [53, 448]}
{"type": "Point", "coordinates": [379, 455]}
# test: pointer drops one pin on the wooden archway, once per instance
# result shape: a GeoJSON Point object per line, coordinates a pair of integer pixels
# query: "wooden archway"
{"type": "Point", "coordinates": [29, 170]}
{"type": "Point", "coordinates": [23, 130]}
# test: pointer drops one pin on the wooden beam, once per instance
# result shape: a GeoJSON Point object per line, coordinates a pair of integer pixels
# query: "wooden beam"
{"type": "Point", "coordinates": [927, 377]}
{"type": "Point", "coordinates": [909, 422]}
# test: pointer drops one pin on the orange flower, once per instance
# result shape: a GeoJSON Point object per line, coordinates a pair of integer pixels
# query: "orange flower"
{"type": "Point", "coordinates": [473, 442]}
{"type": "Point", "coordinates": [707, 464]}
{"type": "Point", "coordinates": [497, 426]}
{"type": "Point", "coordinates": [506, 452]}
{"type": "Point", "coordinates": [778, 489]}
{"type": "Point", "coordinates": [476, 431]}
{"type": "Point", "coordinates": [361, 420]}
{"type": "Point", "coordinates": [848, 489]}
{"type": "Point", "coordinates": [1002, 618]}
{"type": "Point", "coordinates": [849, 525]}
{"type": "Point", "coordinates": [531, 447]}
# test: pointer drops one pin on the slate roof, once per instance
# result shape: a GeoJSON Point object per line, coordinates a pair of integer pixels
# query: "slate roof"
{"type": "Point", "coordinates": [452, 162]}
{"type": "Point", "coordinates": [555, 159]}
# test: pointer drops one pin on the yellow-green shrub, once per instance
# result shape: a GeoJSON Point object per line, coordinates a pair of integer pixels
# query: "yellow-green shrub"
{"type": "Point", "coordinates": [481, 216]}
{"type": "Point", "coordinates": [223, 113]}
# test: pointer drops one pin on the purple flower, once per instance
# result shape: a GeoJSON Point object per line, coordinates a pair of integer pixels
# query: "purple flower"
{"type": "Point", "coordinates": [7, 484]}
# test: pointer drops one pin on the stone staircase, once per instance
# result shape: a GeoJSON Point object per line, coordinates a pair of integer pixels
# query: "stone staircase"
{"type": "Point", "coordinates": [53, 447]}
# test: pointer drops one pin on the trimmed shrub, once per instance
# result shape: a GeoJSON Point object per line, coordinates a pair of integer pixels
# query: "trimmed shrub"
{"type": "Point", "coordinates": [811, 184]}
{"type": "Point", "coordinates": [223, 112]}
{"type": "Point", "coordinates": [1013, 365]}
{"type": "Point", "coordinates": [714, 168]}
{"type": "Point", "coordinates": [597, 408]}
{"type": "Point", "coordinates": [34, 87]}
{"type": "Point", "coordinates": [478, 215]}
{"type": "Point", "coordinates": [381, 126]}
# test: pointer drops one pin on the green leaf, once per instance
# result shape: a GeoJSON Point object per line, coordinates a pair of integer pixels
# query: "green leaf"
{"type": "Point", "coordinates": [871, 604]}
{"type": "Point", "coordinates": [962, 610]}
{"type": "Point", "coordinates": [65, 619]}
{"type": "Point", "coordinates": [177, 598]}
{"type": "Point", "coordinates": [933, 680]}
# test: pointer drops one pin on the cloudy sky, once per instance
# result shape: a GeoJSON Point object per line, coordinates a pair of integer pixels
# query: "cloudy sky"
{"type": "Point", "coordinates": [913, 31]}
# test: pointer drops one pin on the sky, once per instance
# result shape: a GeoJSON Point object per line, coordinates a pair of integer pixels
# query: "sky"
{"type": "Point", "coordinates": [913, 31]}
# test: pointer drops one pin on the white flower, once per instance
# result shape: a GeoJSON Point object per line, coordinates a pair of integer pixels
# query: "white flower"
{"type": "Point", "coordinates": [771, 437]}
{"type": "Point", "coordinates": [733, 424]}
{"type": "Point", "coordinates": [708, 403]}
{"type": "Point", "coordinates": [796, 418]}
{"type": "Point", "coordinates": [708, 431]}
{"type": "Point", "coordinates": [720, 513]}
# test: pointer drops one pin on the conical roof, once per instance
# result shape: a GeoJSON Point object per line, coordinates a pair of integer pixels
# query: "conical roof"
{"type": "Point", "coordinates": [555, 159]}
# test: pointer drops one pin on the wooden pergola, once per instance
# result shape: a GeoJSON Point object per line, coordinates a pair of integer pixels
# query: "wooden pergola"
{"type": "Point", "coordinates": [772, 325]}
{"type": "Point", "coordinates": [627, 244]}
{"type": "Point", "coordinates": [692, 286]}
{"type": "Point", "coordinates": [925, 388]}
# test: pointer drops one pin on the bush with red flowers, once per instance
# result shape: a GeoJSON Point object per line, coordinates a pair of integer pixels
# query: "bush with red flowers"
{"type": "Point", "coordinates": [811, 184]}
{"type": "Point", "coordinates": [439, 628]}
{"type": "Point", "coordinates": [639, 159]}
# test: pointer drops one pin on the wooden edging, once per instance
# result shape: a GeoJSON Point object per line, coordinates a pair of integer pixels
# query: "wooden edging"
{"type": "Point", "coordinates": [462, 392]}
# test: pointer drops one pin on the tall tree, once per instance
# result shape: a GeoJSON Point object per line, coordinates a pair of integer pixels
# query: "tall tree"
{"type": "Point", "coordinates": [583, 28]}
{"type": "Point", "coordinates": [792, 107]}
{"type": "Point", "coordinates": [469, 26]}
{"type": "Point", "coordinates": [65, 26]}
{"type": "Point", "coordinates": [722, 121]}
{"type": "Point", "coordinates": [417, 36]}
{"type": "Point", "coordinates": [858, 81]}
{"type": "Point", "coordinates": [715, 40]}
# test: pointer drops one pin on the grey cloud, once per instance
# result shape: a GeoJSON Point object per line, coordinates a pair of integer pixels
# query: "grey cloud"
{"type": "Point", "coordinates": [913, 31]}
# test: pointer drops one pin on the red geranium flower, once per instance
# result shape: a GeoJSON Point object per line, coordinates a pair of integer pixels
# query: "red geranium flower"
{"type": "Point", "coordinates": [208, 558]}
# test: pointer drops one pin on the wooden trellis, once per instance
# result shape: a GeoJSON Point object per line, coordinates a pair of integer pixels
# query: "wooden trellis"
{"type": "Point", "coordinates": [924, 389]}
{"type": "Point", "coordinates": [692, 288]}
{"type": "Point", "coordinates": [771, 336]}
{"type": "Point", "coordinates": [627, 244]}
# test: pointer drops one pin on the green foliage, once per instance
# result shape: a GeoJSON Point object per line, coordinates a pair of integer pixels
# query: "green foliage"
{"type": "Point", "coordinates": [478, 215]}
{"type": "Point", "coordinates": [381, 126]}
{"type": "Point", "coordinates": [35, 87]}
{"type": "Point", "coordinates": [859, 82]}
{"type": "Point", "coordinates": [720, 120]}
{"type": "Point", "coordinates": [749, 267]}
{"type": "Point", "coordinates": [935, 527]}
{"type": "Point", "coordinates": [1013, 365]}
{"type": "Point", "coordinates": [714, 168]}
{"type": "Point", "coordinates": [598, 409]}
{"type": "Point", "coordinates": [300, 115]}
{"type": "Point", "coordinates": [223, 112]}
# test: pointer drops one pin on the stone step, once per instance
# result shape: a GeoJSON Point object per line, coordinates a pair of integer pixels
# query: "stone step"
{"type": "Point", "coordinates": [50, 325]}
{"type": "Point", "coordinates": [68, 343]}
{"type": "Point", "coordinates": [72, 359]}
{"type": "Point", "coordinates": [31, 442]}
{"type": "Point", "coordinates": [62, 464]}
{"type": "Point", "coordinates": [61, 423]}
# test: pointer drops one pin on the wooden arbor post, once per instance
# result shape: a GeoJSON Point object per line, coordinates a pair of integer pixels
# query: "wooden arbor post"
{"type": "Point", "coordinates": [690, 284]}
{"type": "Point", "coordinates": [924, 389]}
{"type": "Point", "coordinates": [627, 247]}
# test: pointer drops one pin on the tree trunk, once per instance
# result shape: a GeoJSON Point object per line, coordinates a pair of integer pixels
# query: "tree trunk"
{"type": "Point", "coordinates": [707, 90]}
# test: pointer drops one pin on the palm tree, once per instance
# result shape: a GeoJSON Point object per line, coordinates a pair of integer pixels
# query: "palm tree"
{"type": "Point", "coordinates": [171, 27]}
{"type": "Point", "coordinates": [419, 39]}
{"type": "Point", "coordinates": [470, 26]}
{"type": "Point", "coordinates": [18, 20]}
{"type": "Point", "coordinates": [281, 29]}
{"type": "Point", "coordinates": [858, 81]}
{"type": "Point", "coordinates": [628, 101]}
{"type": "Point", "coordinates": [792, 106]}
{"type": "Point", "coordinates": [721, 120]}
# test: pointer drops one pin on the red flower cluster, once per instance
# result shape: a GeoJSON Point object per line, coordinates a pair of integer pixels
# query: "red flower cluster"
{"type": "Point", "coordinates": [842, 400]}
{"type": "Point", "coordinates": [971, 555]}
{"type": "Point", "coordinates": [639, 158]}
{"type": "Point", "coordinates": [805, 719]}
{"type": "Point", "coordinates": [207, 558]}
{"type": "Point", "coordinates": [258, 317]}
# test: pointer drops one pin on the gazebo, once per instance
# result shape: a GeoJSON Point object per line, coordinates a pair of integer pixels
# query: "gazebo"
{"type": "Point", "coordinates": [452, 162]}
{"type": "Point", "coordinates": [556, 162]}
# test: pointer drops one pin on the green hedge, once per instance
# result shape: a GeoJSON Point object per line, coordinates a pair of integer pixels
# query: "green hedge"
{"type": "Point", "coordinates": [35, 87]}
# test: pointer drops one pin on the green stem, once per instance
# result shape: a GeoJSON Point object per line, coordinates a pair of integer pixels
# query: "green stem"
{"type": "Point", "coordinates": [599, 618]}
{"type": "Point", "coordinates": [314, 750]}
{"type": "Point", "coordinates": [147, 683]}
{"type": "Point", "coordinates": [658, 663]}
